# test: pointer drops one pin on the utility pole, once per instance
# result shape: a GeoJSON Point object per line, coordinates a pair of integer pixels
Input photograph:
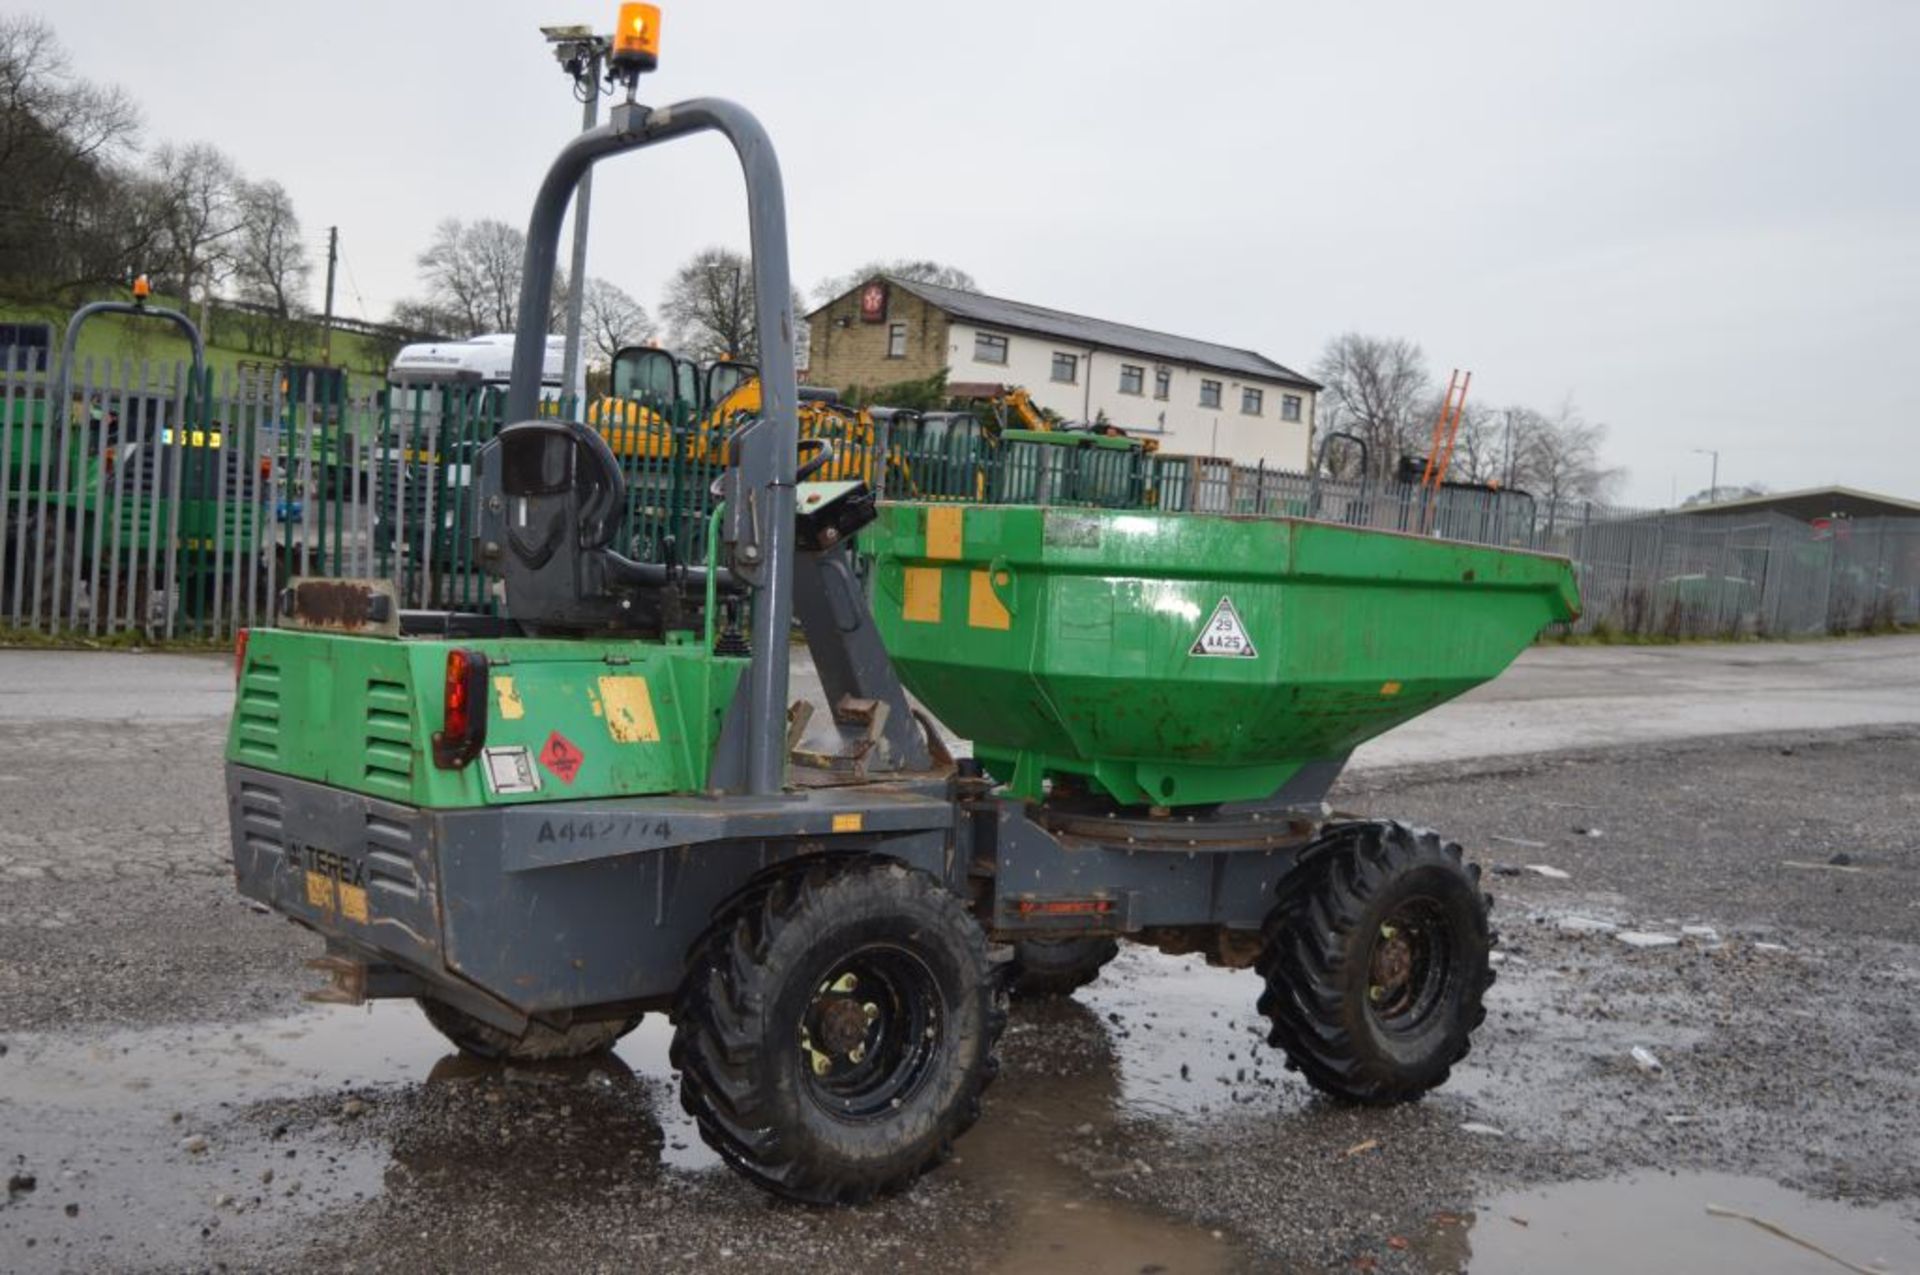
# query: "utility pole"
{"type": "Point", "coordinates": [326, 320]}
{"type": "Point", "coordinates": [1713, 484]}
{"type": "Point", "coordinates": [582, 55]}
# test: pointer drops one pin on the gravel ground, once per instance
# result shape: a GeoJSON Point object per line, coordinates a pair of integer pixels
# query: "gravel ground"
{"type": "Point", "coordinates": [162, 1083]}
{"type": "Point", "coordinates": [118, 905]}
{"type": "Point", "coordinates": [1785, 1037]}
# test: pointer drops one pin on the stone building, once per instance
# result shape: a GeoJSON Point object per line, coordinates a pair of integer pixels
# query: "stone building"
{"type": "Point", "coordinates": [1196, 397]}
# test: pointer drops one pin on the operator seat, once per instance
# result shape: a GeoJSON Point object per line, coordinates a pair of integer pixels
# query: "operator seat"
{"type": "Point", "coordinates": [550, 498]}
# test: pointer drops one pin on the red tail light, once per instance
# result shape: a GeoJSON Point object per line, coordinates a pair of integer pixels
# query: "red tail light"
{"type": "Point", "coordinates": [239, 655]}
{"type": "Point", "coordinates": [464, 703]}
{"type": "Point", "coordinates": [1065, 907]}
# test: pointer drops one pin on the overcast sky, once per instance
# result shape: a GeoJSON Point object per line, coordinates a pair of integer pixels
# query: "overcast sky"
{"type": "Point", "coordinates": [1699, 221]}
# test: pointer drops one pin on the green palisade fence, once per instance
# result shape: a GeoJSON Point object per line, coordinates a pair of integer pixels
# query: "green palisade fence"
{"type": "Point", "coordinates": [174, 508]}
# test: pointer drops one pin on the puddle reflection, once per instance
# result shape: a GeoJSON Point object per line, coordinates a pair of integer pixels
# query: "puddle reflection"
{"type": "Point", "coordinates": [373, 1103]}
{"type": "Point", "coordinates": [1668, 1222]}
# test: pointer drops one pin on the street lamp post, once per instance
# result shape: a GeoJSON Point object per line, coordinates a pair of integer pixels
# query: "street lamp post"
{"type": "Point", "coordinates": [581, 55]}
{"type": "Point", "coordinates": [1713, 484]}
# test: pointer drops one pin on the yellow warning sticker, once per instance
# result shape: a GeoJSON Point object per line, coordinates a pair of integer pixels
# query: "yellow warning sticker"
{"type": "Point", "coordinates": [511, 709]}
{"type": "Point", "coordinates": [848, 823]}
{"type": "Point", "coordinates": [922, 601]}
{"type": "Point", "coordinates": [320, 891]}
{"type": "Point", "coordinates": [985, 610]}
{"type": "Point", "coordinates": [1389, 688]}
{"type": "Point", "coordinates": [629, 707]}
{"type": "Point", "coordinates": [353, 903]}
{"type": "Point", "coordinates": [944, 526]}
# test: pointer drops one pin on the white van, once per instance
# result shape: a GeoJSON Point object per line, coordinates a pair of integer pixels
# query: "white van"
{"type": "Point", "coordinates": [481, 360]}
{"type": "Point", "coordinates": [423, 460]}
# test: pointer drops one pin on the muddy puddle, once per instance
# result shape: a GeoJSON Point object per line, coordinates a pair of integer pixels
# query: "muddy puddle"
{"type": "Point", "coordinates": [247, 1142]}
{"type": "Point", "coordinates": [1670, 1222]}
{"type": "Point", "coordinates": [148, 1147]}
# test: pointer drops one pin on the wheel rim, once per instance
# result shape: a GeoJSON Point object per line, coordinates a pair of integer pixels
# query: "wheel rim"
{"type": "Point", "coordinates": [1410, 966]}
{"type": "Point", "coordinates": [871, 1032]}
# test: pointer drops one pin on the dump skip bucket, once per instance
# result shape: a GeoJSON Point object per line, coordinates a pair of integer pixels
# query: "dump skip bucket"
{"type": "Point", "coordinates": [1184, 659]}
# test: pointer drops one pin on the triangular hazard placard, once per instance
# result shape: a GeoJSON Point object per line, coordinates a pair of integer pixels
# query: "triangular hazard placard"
{"type": "Point", "coordinates": [1224, 634]}
{"type": "Point", "coordinates": [561, 757]}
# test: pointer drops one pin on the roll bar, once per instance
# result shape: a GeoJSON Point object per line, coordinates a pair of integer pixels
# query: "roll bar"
{"type": "Point", "coordinates": [760, 518]}
{"type": "Point", "coordinates": [72, 340]}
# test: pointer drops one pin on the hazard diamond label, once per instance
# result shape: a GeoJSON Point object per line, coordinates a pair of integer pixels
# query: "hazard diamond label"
{"type": "Point", "coordinates": [1224, 634]}
{"type": "Point", "coordinates": [561, 757]}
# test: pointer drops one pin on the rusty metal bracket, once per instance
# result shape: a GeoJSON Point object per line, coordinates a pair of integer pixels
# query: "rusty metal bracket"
{"type": "Point", "coordinates": [355, 982]}
{"type": "Point", "coordinates": [861, 723]}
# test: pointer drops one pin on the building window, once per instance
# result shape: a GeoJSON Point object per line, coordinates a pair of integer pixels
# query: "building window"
{"type": "Point", "coordinates": [1250, 401]}
{"type": "Point", "coordinates": [1162, 384]}
{"type": "Point", "coordinates": [1066, 368]}
{"type": "Point", "coordinates": [1133, 378]}
{"type": "Point", "coordinates": [1209, 393]}
{"type": "Point", "coordinates": [1289, 407]}
{"type": "Point", "coordinates": [988, 348]}
{"type": "Point", "coordinates": [896, 340]}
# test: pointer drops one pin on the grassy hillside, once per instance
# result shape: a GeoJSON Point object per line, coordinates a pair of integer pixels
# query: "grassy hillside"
{"type": "Point", "coordinates": [117, 337]}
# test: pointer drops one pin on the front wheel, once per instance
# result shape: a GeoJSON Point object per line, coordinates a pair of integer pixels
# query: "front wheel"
{"type": "Point", "coordinates": [1376, 962]}
{"type": "Point", "coordinates": [836, 1028]}
{"type": "Point", "coordinates": [539, 1043]}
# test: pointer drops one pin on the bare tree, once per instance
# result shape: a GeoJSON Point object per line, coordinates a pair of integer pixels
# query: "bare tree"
{"type": "Point", "coordinates": [472, 274]}
{"type": "Point", "coordinates": [1725, 491]}
{"type": "Point", "coordinates": [611, 320]}
{"type": "Point", "coordinates": [62, 142]}
{"type": "Point", "coordinates": [424, 321]}
{"type": "Point", "coordinates": [1376, 387]}
{"type": "Point", "coordinates": [1557, 457]}
{"type": "Point", "coordinates": [911, 270]}
{"type": "Point", "coordinates": [708, 306]}
{"type": "Point", "coordinates": [271, 269]}
{"type": "Point", "coordinates": [199, 189]}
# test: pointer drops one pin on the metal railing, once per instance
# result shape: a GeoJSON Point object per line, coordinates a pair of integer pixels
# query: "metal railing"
{"type": "Point", "coordinates": [172, 508]}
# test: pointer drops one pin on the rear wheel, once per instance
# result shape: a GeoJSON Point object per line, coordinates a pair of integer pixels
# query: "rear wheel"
{"type": "Point", "coordinates": [1376, 962]}
{"type": "Point", "coordinates": [836, 1028]}
{"type": "Point", "coordinates": [539, 1043]}
{"type": "Point", "coordinates": [1058, 967]}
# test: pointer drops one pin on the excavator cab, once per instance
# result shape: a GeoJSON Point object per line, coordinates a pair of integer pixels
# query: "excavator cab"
{"type": "Point", "coordinates": [723, 377]}
{"type": "Point", "coordinates": [657, 378]}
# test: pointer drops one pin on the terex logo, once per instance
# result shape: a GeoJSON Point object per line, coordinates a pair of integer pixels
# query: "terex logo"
{"type": "Point", "coordinates": [328, 864]}
{"type": "Point", "coordinates": [332, 883]}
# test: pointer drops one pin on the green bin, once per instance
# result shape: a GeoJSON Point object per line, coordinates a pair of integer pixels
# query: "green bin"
{"type": "Point", "coordinates": [1185, 659]}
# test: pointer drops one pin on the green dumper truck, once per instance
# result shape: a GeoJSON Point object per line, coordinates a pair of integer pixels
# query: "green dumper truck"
{"type": "Point", "coordinates": [587, 805]}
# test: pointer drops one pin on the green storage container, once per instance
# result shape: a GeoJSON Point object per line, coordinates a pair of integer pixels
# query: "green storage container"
{"type": "Point", "coordinates": [1185, 659]}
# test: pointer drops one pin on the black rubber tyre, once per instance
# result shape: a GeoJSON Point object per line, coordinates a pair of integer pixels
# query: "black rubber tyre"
{"type": "Point", "coordinates": [836, 1028]}
{"type": "Point", "coordinates": [1375, 962]}
{"type": "Point", "coordinates": [541, 1043]}
{"type": "Point", "coordinates": [1058, 967]}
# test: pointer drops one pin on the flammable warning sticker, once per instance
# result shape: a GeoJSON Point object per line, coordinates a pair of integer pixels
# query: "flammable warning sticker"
{"type": "Point", "coordinates": [1224, 634]}
{"type": "Point", "coordinates": [562, 756]}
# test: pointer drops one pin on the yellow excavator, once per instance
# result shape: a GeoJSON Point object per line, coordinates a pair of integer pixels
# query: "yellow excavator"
{"type": "Point", "coordinates": [664, 405]}
{"type": "Point", "coordinates": [650, 385]}
{"type": "Point", "coordinates": [1013, 408]}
